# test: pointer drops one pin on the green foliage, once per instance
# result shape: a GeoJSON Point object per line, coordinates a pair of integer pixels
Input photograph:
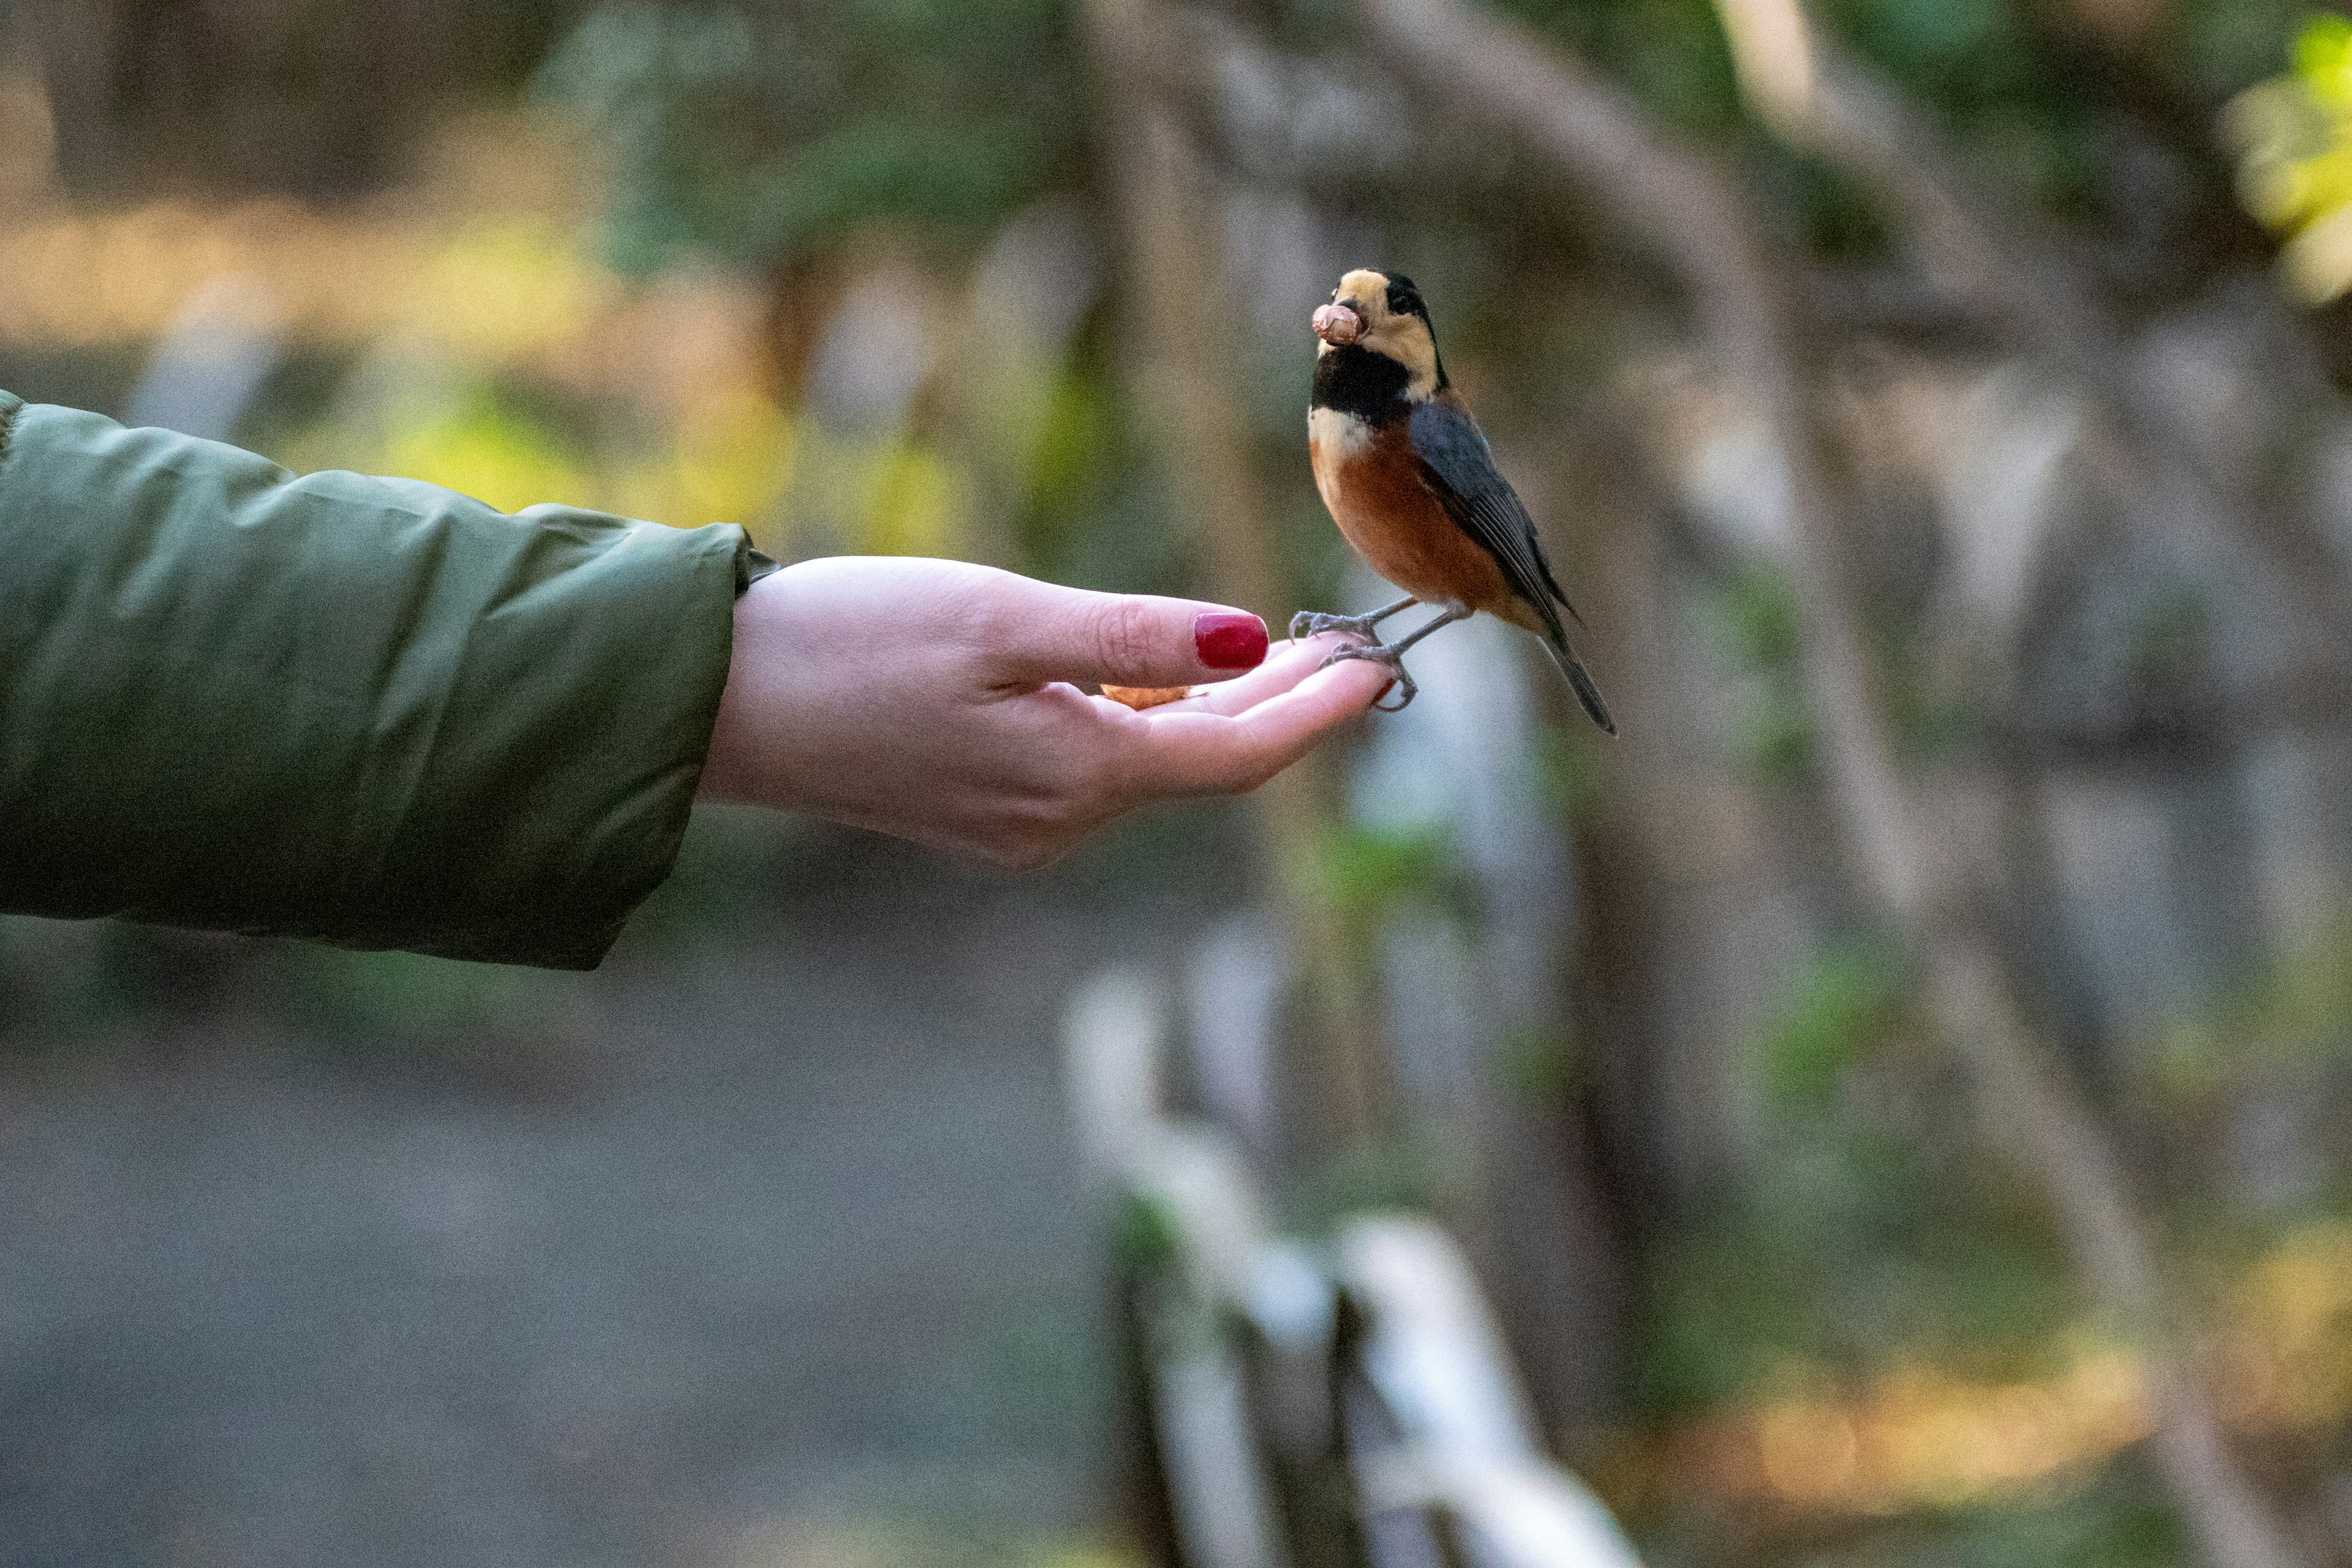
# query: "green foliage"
{"type": "Point", "coordinates": [1144, 1238]}
{"type": "Point", "coordinates": [2297, 1012]}
{"type": "Point", "coordinates": [1538, 1066]}
{"type": "Point", "coordinates": [1751, 613]}
{"type": "Point", "coordinates": [2293, 135]}
{"type": "Point", "coordinates": [1923, 38]}
{"type": "Point", "coordinates": [1832, 1010]}
{"type": "Point", "coordinates": [1817, 209]}
{"type": "Point", "coordinates": [1363, 870]}
{"type": "Point", "coordinates": [2045, 104]}
{"type": "Point", "coordinates": [1671, 53]}
{"type": "Point", "coordinates": [2118, 1520]}
{"type": "Point", "coordinates": [486, 444]}
{"type": "Point", "coordinates": [765, 135]}
{"type": "Point", "coordinates": [1091, 514]}
{"type": "Point", "coordinates": [2222, 46]}
{"type": "Point", "coordinates": [1862, 1232]}
{"type": "Point", "coordinates": [1567, 768]}
{"type": "Point", "coordinates": [1849, 1247]}
{"type": "Point", "coordinates": [1754, 612]}
{"type": "Point", "coordinates": [1776, 734]}
{"type": "Point", "coordinates": [2023, 92]}
{"type": "Point", "coordinates": [1396, 1172]}
{"type": "Point", "coordinates": [2323, 51]}
{"type": "Point", "coordinates": [1073, 441]}
{"type": "Point", "coordinates": [1931, 724]}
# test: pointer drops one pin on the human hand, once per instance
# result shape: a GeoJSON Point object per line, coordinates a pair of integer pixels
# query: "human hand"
{"type": "Point", "coordinates": [933, 699]}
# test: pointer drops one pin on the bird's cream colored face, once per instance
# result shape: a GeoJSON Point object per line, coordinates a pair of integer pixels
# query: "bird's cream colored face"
{"type": "Point", "coordinates": [1359, 314]}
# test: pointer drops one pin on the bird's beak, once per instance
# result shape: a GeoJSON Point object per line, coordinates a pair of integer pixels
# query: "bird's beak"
{"type": "Point", "coordinates": [1337, 325]}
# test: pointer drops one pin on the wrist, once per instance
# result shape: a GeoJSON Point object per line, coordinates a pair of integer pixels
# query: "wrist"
{"type": "Point", "coordinates": [729, 765]}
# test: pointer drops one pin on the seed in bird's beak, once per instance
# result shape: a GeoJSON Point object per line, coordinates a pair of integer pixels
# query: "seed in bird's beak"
{"type": "Point", "coordinates": [1337, 325]}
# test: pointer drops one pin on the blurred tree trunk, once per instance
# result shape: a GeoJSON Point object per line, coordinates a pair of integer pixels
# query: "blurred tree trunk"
{"type": "Point", "coordinates": [1683, 205]}
{"type": "Point", "coordinates": [1181, 363]}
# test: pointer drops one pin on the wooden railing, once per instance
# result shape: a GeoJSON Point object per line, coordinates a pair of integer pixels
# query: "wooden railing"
{"type": "Point", "coordinates": [1340, 1403]}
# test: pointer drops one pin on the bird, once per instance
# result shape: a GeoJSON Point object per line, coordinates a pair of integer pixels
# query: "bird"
{"type": "Point", "coordinates": [1407, 475]}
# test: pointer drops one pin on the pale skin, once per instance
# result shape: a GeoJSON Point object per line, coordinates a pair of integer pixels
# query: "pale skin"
{"type": "Point", "coordinates": [940, 702]}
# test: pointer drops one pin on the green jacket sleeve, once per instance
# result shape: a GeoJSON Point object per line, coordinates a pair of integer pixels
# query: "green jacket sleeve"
{"type": "Point", "coordinates": [366, 712]}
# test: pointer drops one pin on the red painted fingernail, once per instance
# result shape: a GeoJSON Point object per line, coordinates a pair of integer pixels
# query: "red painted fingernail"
{"type": "Point", "coordinates": [1229, 639]}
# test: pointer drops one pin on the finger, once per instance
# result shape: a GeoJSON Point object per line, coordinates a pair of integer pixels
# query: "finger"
{"type": "Point", "coordinates": [1049, 633]}
{"type": "Point", "coordinates": [1287, 665]}
{"type": "Point", "coordinates": [1197, 753]}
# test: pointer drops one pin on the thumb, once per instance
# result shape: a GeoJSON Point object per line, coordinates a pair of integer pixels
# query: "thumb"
{"type": "Point", "coordinates": [1124, 639]}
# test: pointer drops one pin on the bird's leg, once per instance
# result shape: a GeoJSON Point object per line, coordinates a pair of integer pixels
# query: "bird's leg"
{"type": "Point", "coordinates": [1315, 623]}
{"type": "Point", "coordinates": [1392, 654]}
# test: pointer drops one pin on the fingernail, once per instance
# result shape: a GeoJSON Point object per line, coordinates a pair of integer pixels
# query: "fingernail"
{"type": "Point", "coordinates": [1229, 639]}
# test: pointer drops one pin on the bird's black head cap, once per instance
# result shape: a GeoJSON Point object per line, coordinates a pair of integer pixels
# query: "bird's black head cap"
{"type": "Point", "coordinates": [1404, 299]}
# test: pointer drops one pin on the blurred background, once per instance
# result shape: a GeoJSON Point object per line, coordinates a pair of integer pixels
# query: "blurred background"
{"type": "Point", "coordinates": [1898, 1100]}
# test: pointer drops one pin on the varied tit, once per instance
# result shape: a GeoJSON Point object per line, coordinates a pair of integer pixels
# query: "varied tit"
{"type": "Point", "coordinates": [1409, 479]}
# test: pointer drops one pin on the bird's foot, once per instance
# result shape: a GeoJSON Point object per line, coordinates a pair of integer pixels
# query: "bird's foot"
{"type": "Point", "coordinates": [1315, 623]}
{"type": "Point", "coordinates": [1404, 690]}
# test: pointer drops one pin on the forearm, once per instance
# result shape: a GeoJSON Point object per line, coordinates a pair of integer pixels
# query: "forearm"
{"type": "Point", "coordinates": [368, 712]}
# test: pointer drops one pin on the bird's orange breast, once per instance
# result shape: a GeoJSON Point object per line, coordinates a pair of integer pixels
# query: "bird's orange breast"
{"type": "Point", "coordinates": [1372, 481]}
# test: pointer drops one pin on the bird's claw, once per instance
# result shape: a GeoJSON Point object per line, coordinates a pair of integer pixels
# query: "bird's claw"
{"type": "Point", "coordinates": [1315, 623]}
{"type": "Point", "coordinates": [1404, 690]}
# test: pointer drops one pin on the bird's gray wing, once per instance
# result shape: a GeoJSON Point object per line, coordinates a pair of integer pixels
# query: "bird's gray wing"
{"type": "Point", "coordinates": [1459, 469]}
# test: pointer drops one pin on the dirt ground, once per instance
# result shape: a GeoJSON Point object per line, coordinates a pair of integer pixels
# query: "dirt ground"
{"type": "Point", "coordinates": [781, 1260]}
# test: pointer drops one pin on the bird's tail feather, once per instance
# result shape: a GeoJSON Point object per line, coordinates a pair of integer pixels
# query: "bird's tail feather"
{"type": "Point", "coordinates": [1578, 677]}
